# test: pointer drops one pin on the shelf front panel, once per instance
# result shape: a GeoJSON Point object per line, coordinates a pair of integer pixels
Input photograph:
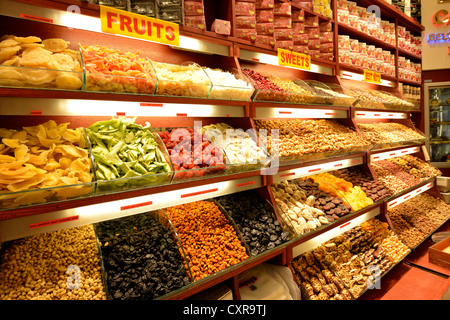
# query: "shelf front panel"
{"type": "Point", "coordinates": [273, 111]}
{"type": "Point", "coordinates": [78, 107]}
{"type": "Point", "coordinates": [392, 154]}
{"type": "Point", "coordinates": [12, 229]}
{"type": "Point", "coordinates": [406, 196]}
{"type": "Point", "coordinates": [362, 114]}
{"type": "Point", "coordinates": [316, 169]}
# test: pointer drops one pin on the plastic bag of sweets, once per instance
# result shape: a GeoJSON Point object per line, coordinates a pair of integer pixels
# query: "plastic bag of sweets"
{"type": "Point", "coordinates": [264, 4]}
{"type": "Point", "coordinates": [283, 34]}
{"type": "Point", "coordinates": [265, 40]}
{"type": "Point", "coordinates": [265, 29]}
{"type": "Point", "coordinates": [283, 9]}
{"type": "Point", "coordinates": [300, 39]}
{"type": "Point", "coordinates": [246, 34]}
{"type": "Point", "coordinates": [242, 8]}
{"type": "Point", "coordinates": [245, 22]}
{"type": "Point", "coordinates": [304, 3]}
{"type": "Point", "coordinates": [298, 15]}
{"type": "Point", "coordinates": [193, 8]}
{"type": "Point", "coordinates": [298, 27]}
{"type": "Point", "coordinates": [281, 22]}
{"type": "Point", "coordinates": [264, 16]}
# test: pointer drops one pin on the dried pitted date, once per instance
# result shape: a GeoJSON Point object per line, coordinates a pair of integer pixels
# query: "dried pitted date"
{"type": "Point", "coordinates": [255, 221]}
{"type": "Point", "coordinates": [141, 258]}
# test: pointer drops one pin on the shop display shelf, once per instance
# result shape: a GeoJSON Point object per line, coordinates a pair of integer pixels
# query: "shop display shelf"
{"type": "Point", "coordinates": [361, 36]}
{"type": "Point", "coordinates": [40, 78]}
{"type": "Point", "coordinates": [163, 91]}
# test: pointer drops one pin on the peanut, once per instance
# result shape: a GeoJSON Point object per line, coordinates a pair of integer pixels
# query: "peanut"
{"type": "Point", "coordinates": [34, 268]}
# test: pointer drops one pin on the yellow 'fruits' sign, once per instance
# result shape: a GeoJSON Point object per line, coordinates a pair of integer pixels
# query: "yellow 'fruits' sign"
{"type": "Point", "coordinates": [138, 26]}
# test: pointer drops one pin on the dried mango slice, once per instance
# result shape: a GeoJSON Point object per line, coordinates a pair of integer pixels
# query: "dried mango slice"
{"type": "Point", "coordinates": [34, 197]}
{"type": "Point", "coordinates": [8, 52]}
{"type": "Point", "coordinates": [61, 61]}
{"type": "Point", "coordinates": [29, 39]}
{"type": "Point", "coordinates": [68, 81]}
{"type": "Point", "coordinates": [12, 143]}
{"type": "Point", "coordinates": [8, 43]}
{"type": "Point", "coordinates": [38, 77]}
{"type": "Point", "coordinates": [35, 57]}
{"type": "Point", "coordinates": [55, 44]}
{"type": "Point", "coordinates": [27, 184]}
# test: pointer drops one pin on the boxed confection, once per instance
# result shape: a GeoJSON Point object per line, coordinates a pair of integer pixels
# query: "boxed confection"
{"type": "Point", "coordinates": [222, 27]}
{"type": "Point", "coordinates": [314, 54]}
{"type": "Point", "coordinates": [344, 42]}
{"type": "Point", "coordinates": [342, 15]}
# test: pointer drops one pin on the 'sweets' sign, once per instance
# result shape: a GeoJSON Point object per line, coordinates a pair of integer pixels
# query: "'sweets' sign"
{"type": "Point", "coordinates": [294, 59]}
{"type": "Point", "coordinates": [138, 26]}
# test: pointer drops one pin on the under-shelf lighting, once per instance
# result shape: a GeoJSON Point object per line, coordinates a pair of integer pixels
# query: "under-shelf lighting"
{"type": "Point", "coordinates": [12, 229]}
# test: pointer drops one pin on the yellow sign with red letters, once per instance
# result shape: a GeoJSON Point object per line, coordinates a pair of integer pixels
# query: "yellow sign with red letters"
{"type": "Point", "coordinates": [138, 26]}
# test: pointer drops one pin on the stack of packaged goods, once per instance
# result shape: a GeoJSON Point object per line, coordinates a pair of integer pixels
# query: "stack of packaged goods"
{"type": "Point", "coordinates": [194, 14]}
{"type": "Point", "coordinates": [244, 13]}
{"type": "Point", "coordinates": [299, 37]}
{"type": "Point", "coordinates": [146, 8]}
{"type": "Point", "coordinates": [326, 41]}
{"type": "Point", "coordinates": [312, 30]}
{"type": "Point", "coordinates": [283, 26]}
{"type": "Point", "coordinates": [170, 10]}
{"type": "Point", "coordinates": [265, 22]}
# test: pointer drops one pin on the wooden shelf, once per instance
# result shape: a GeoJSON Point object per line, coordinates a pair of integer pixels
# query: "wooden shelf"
{"type": "Point", "coordinates": [364, 37]}
{"type": "Point", "coordinates": [233, 51]}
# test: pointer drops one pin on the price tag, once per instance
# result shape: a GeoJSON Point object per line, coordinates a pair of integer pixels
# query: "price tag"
{"type": "Point", "coordinates": [294, 59]}
{"type": "Point", "coordinates": [372, 76]}
{"type": "Point", "coordinates": [138, 26]}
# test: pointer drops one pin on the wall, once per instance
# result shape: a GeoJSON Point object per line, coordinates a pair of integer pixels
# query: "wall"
{"type": "Point", "coordinates": [434, 54]}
